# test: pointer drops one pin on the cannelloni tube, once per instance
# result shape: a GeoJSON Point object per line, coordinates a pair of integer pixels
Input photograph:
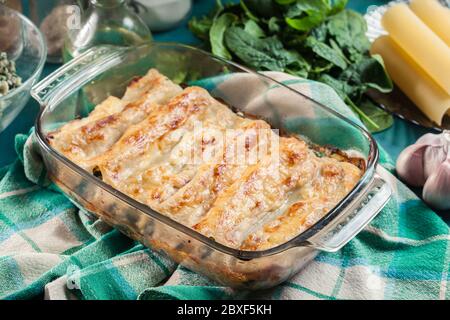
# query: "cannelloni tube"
{"type": "Point", "coordinates": [435, 15]}
{"type": "Point", "coordinates": [428, 50]}
{"type": "Point", "coordinates": [413, 80]}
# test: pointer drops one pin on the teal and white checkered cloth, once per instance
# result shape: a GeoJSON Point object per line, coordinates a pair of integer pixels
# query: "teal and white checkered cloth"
{"type": "Point", "coordinates": [49, 248]}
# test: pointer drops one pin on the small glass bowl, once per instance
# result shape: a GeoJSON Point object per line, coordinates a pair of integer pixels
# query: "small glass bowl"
{"type": "Point", "coordinates": [24, 44]}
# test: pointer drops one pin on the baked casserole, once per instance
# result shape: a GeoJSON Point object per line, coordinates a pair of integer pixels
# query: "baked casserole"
{"type": "Point", "coordinates": [188, 156]}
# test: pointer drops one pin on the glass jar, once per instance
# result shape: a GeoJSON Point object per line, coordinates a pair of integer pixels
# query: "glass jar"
{"type": "Point", "coordinates": [54, 18]}
{"type": "Point", "coordinates": [106, 22]}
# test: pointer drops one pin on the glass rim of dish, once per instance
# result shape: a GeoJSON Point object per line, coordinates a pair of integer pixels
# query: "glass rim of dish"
{"type": "Point", "coordinates": [300, 240]}
{"type": "Point", "coordinates": [39, 66]}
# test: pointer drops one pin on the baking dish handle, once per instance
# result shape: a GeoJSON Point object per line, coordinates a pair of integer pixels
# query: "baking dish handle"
{"type": "Point", "coordinates": [361, 211]}
{"type": "Point", "coordinates": [76, 73]}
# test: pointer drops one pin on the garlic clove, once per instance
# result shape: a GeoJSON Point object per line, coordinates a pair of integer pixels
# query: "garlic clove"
{"type": "Point", "coordinates": [436, 191]}
{"type": "Point", "coordinates": [432, 159]}
{"type": "Point", "coordinates": [410, 165]}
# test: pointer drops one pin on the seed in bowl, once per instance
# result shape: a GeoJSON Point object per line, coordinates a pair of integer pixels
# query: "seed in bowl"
{"type": "Point", "coordinates": [8, 77]}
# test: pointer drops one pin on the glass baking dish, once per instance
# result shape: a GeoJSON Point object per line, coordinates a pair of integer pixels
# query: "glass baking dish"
{"type": "Point", "coordinates": [73, 90]}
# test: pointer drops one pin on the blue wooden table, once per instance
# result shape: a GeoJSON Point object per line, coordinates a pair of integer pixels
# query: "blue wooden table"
{"type": "Point", "coordinates": [393, 140]}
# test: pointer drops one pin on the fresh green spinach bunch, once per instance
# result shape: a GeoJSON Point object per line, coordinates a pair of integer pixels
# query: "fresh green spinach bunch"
{"type": "Point", "coordinates": [314, 39]}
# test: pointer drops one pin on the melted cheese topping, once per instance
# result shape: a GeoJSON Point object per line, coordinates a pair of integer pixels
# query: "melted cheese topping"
{"type": "Point", "coordinates": [332, 182]}
{"type": "Point", "coordinates": [258, 194]}
{"type": "Point", "coordinates": [83, 140]}
{"type": "Point", "coordinates": [166, 148]}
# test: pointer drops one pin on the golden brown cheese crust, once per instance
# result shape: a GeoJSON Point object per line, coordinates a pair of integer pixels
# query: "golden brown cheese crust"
{"type": "Point", "coordinates": [259, 193]}
{"type": "Point", "coordinates": [334, 180]}
{"type": "Point", "coordinates": [83, 140]}
{"type": "Point", "coordinates": [193, 200]}
{"type": "Point", "coordinates": [148, 144]}
{"type": "Point", "coordinates": [144, 144]}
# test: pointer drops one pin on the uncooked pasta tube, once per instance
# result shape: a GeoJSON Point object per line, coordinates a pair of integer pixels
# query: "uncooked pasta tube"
{"type": "Point", "coordinates": [412, 80]}
{"type": "Point", "coordinates": [420, 43]}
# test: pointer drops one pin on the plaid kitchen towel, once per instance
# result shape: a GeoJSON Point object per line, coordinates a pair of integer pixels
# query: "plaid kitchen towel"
{"type": "Point", "coordinates": [50, 248]}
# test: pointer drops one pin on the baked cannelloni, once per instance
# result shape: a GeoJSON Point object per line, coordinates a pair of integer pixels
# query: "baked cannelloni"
{"type": "Point", "coordinates": [190, 157]}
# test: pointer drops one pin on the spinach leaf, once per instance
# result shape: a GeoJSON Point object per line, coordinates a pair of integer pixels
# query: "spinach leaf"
{"type": "Point", "coordinates": [374, 74]}
{"type": "Point", "coordinates": [343, 89]}
{"type": "Point", "coordinates": [336, 47]}
{"type": "Point", "coordinates": [200, 27]}
{"type": "Point", "coordinates": [320, 33]}
{"type": "Point", "coordinates": [337, 6]}
{"type": "Point", "coordinates": [305, 15]}
{"type": "Point", "coordinates": [306, 23]}
{"type": "Point", "coordinates": [367, 73]}
{"type": "Point", "coordinates": [383, 119]}
{"type": "Point", "coordinates": [216, 34]}
{"type": "Point", "coordinates": [326, 52]}
{"type": "Point", "coordinates": [262, 54]}
{"type": "Point", "coordinates": [300, 67]}
{"type": "Point", "coordinates": [374, 118]}
{"type": "Point", "coordinates": [328, 7]}
{"type": "Point", "coordinates": [254, 29]}
{"type": "Point", "coordinates": [349, 30]}
{"type": "Point", "coordinates": [308, 7]}
{"type": "Point", "coordinates": [274, 25]}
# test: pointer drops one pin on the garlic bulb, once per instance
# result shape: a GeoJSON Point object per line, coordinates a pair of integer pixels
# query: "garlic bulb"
{"type": "Point", "coordinates": [427, 163]}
